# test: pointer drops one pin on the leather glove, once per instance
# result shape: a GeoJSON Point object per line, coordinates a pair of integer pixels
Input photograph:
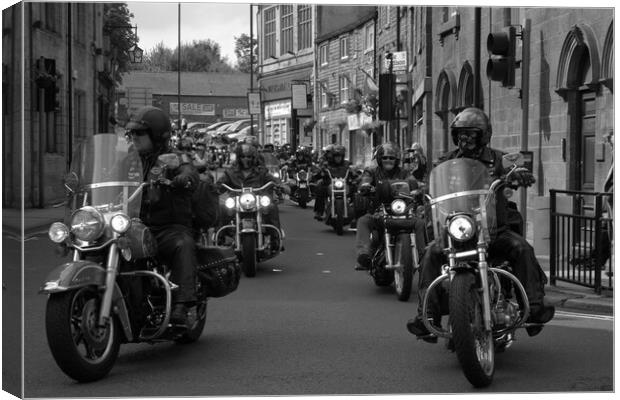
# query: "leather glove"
{"type": "Point", "coordinates": [365, 188]}
{"type": "Point", "coordinates": [181, 182]}
{"type": "Point", "coordinates": [522, 177]}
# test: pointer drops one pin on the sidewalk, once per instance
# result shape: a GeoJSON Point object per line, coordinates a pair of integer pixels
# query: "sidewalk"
{"type": "Point", "coordinates": [563, 295]}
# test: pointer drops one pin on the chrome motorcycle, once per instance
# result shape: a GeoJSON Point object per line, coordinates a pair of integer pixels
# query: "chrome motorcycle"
{"type": "Point", "coordinates": [252, 239]}
{"type": "Point", "coordinates": [338, 208]}
{"type": "Point", "coordinates": [396, 259]}
{"type": "Point", "coordinates": [115, 289]}
{"type": "Point", "coordinates": [483, 311]}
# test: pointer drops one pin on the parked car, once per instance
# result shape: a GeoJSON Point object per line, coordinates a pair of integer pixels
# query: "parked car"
{"type": "Point", "coordinates": [210, 129]}
{"type": "Point", "coordinates": [222, 129]}
{"type": "Point", "coordinates": [194, 126]}
{"type": "Point", "coordinates": [244, 132]}
{"type": "Point", "coordinates": [237, 126]}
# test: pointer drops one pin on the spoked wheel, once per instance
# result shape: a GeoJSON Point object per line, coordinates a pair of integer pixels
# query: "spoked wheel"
{"type": "Point", "coordinates": [82, 349]}
{"type": "Point", "coordinates": [403, 276]}
{"type": "Point", "coordinates": [338, 219]}
{"type": "Point", "coordinates": [473, 345]}
{"type": "Point", "coordinates": [248, 255]}
{"type": "Point", "coordinates": [195, 331]}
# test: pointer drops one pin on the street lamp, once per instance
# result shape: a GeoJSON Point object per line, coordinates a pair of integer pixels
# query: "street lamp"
{"type": "Point", "coordinates": [135, 54]}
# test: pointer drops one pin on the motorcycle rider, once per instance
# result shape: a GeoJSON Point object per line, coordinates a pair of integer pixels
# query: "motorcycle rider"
{"type": "Point", "coordinates": [471, 132]}
{"type": "Point", "coordinates": [337, 166]}
{"type": "Point", "coordinates": [415, 161]}
{"type": "Point", "coordinates": [380, 177]}
{"type": "Point", "coordinates": [167, 210]}
{"type": "Point", "coordinates": [246, 171]}
{"type": "Point", "coordinates": [301, 161]}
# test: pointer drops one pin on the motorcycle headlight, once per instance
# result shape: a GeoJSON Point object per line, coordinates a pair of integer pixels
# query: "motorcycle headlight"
{"type": "Point", "coordinates": [87, 224]}
{"type": "Point", "coordinates": [58, 232]}
{"type": "Point", "coordinates": [247, 201]}
{"type": "Point", "coordinates": [461, 228]}
{"type": "Point", "coordinates": [120, 223]}
{"type": "Point", "coordinates": [338, 184]}
{"type": "Point", "coordinates": [398, 206]}
{"type": "Point", "coordinates": [230, 202]}
{"type": "Point", "coordinates": [275, 174]}
{"type": "Point", "coordinates": [265, 201]}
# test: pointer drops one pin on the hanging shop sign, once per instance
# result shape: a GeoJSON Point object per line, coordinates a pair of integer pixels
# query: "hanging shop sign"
{"type": "Point", "coordinates": [192, 109]}
{"type": "Point", "coordinates": [254, 103]}
{"type": "Point", "coordinates": [399, 61]}
{"type": "Point", "coordinates": [299, 96]}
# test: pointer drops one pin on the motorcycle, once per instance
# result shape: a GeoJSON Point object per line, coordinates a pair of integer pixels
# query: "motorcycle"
{"type": "Point", "coordinates": [396, 259]}
{"type": "Point", "coordinates": [483, 315]}
{"type": "Point", "coordinates": [253, 240]}
{"type": "Point", "coordinates": [338, 207]}
{"type": "Point", "coordinates": [115, 289]}
{"type": "Point", "coordinates": [301, 191]}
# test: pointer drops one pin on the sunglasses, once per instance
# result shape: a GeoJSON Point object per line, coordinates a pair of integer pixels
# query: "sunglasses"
{"type": "Point", "coordinates": [134, 133]}
{"type": "Point", "coordinates": [388, 158]}
{"type": "Point", "coordinates": [467, 131]}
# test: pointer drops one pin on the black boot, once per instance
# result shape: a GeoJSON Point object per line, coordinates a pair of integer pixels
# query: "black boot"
{"type": "Point", "coordinates": [539, 314]}
{"type": "Point", "coordinates": [363, 262]}
{"type": "Point", "coordinates": [416, 327]}
{"type": "Point", "coordinates": [178, 316]}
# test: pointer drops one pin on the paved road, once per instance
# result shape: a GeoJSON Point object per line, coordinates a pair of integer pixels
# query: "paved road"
{"type": "Point", "coordinates": [308, 324]}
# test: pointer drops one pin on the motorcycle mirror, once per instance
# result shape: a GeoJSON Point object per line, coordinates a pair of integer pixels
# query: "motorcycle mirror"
{"type": "Point", "coordinates": [171, 160]}
{"type": "Point", "coordinates": [508, 160]}
{"type": "Point", "coordinates": [71, 181]}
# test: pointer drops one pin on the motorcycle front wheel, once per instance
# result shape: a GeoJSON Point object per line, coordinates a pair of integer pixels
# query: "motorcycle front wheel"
{"type": "Point", "coordinates": [338, 219]}
{"type": "Point", "coordinates": [83, 350]}
{"type": "Point", "coordinates": [403, 276]}
{"type": "Point", "coordinates": [473, 344]}
{"type": "Point", "coordinates": [248, 255]}
{"type": "Point", "coordinates": [195, 331]}
{"type": "Point", "coordinates": [303, 198]}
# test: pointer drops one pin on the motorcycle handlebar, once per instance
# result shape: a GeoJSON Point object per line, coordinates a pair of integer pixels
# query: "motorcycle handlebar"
{"type": "Point", "coordinates": [265, 186]}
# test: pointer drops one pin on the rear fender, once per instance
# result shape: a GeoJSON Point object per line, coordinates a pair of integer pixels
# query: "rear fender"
{"type": "Point", "coordinates": [77, 274]}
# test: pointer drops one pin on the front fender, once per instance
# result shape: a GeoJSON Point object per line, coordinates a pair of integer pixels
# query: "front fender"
{"type": "Point", "coordinates": [73, 275]}
{"type": "Point", "coordinates": [76, 274]}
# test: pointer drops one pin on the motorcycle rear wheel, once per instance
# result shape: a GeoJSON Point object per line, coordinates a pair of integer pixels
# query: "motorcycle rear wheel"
{"type": "Point", "coordinates": [248, 255]}
{"type": "Point", "coordinates": [82, 350]}
{"type": "Point", "coordinates": [403, 277]}
{"type": "Point", "coordinates": [473, 345]}
{"type": "Point", "coordinates": [194, 333]}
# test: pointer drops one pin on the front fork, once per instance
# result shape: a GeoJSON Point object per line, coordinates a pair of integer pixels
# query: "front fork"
{"type": "Point", "coordinates": [110, 278]}
{"type": "Point", "coordinates": [389, 251]}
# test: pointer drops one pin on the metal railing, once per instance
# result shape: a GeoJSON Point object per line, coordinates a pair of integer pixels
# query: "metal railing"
{"type": "Point", "coordinates": [581, 239]}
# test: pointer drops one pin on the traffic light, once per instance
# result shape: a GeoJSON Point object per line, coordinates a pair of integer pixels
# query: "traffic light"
{"type": "Point", "coordinates": [386, 97]}
{"type": "Point", "coordinates": [502, 63]}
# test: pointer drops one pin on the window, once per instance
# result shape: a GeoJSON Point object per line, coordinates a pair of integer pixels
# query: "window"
{"type": "Point", "coordinates": [304, 16]}
{"type": "Point", "coordinates": [385, 16]}
{"type": "Point", "coordinates": [270, 33]}
{"type": "Point", "coordinates": [324, 94]}
{"type": "Point", "coordinates": [323, 55]}
{"type": "Point", "coordinates": [344, 87]}
{"type": "Point", "coordinates": [286, 29]}
{"type": "Point", "coordinates": [445, 14]}
{"type": "Point", "coordinates": [344, 48]}
{"type": "Point", "coordinates": [369, 37]}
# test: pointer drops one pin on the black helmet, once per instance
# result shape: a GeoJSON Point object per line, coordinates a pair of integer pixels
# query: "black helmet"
{"type": "Point", "coordinates": [153, 120]}
{"type": "Point", "coordinates": [472, 118]}
{"type": "Point", "coordinates": [246, 149]}
{"type": "Point", "coordinates": [339, 150]}
{"type": "Point", "coordinates": [388, 149]}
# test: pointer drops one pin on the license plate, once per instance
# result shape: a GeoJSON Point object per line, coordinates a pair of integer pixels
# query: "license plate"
{"type": "Point", "coordinates": [303, 185]}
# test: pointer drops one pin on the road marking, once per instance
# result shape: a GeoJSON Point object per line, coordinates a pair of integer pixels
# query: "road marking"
{"type": "Point", "coordinates": [319, 254]}
{"type": "Point", "coordinates": [326, 271]}
{"type": "Point", "coordinates": [585, 316]}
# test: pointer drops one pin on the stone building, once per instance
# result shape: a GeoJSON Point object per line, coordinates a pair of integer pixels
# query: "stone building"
{"type": "Point", "coordinates": [285, 34]}
{"type": "Point", "coordinates": [66, 84]}
{"type": "Point", "coordinates": [345, 78]}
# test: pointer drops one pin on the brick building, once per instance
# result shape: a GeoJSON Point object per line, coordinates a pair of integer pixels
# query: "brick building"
{"type": "Point", "coordinates": [345, 76]}
{"type": "Point", "coordinates": [66, 86]}
{"type": "Point", "coordinates": [205, 97]}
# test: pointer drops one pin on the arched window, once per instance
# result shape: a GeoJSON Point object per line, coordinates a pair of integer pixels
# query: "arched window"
{"type": "Point", "coordinates": [445, 100]}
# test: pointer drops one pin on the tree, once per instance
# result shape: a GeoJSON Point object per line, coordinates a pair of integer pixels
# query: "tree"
{"type": "Point", "coordinates": [242, 51]}
{"type": "Point", "coordinates": [117, 25]}
{"type": "Point", "coordinates": [199, 56]}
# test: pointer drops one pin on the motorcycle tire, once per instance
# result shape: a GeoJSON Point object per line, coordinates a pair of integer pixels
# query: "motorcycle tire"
{"type": "Point", "coordinates": [473, 346]}
{"type": "Point", "coordinates": [248, 255]}
{"type": "Point", "coordinates": [403, 278]}
{"type": "Point", "coordinates": [194, 332]}
{"type": "Point", "coordinates": [338, 219]}
{"type": "Point", "coordinates": [303, 199]}
{"type": "Point", "coordinates": [83, 351]}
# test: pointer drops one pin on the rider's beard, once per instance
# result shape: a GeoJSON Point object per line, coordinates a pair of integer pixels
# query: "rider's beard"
{"type": "Point", "coordinates": [468, 146]}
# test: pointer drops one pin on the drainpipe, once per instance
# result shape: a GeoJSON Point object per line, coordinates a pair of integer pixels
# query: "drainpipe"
{"type": "Point", "coordinates": [30, 68]}
{"type": "Point", "coordinates": [477, 94]}
{"type": "Point", "coordinates": [397, 135]}
{"type": "Point", "coordinates": [252, 70]}
{"type": "Point", "coordinates": [69, 79]}
{"type": "Point", "coordinates": [525, 102]}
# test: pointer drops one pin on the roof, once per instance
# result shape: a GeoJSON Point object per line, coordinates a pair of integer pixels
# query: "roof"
{"type": "Point", "coordinates": [192, 83]}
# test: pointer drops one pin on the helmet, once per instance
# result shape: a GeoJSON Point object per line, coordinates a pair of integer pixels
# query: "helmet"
{"type": "Point", "coordinates": [268, 147]}
{"type": "Point", "coordinates": [339, 150]}
{"type": "Point", "coordinates": [253, 140]}
{"type": "Point", "coordinates": [472, 118]}
{"type": "Point", "coordinates": [388, 149]}
{"type": "Point", "coordinates": [246, 149]}
{"type": "Point", "coordinates": [154, 120]}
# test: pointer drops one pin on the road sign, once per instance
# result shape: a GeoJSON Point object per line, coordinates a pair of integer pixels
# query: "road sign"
{"type": "Point", "coordinates": [399, 61]}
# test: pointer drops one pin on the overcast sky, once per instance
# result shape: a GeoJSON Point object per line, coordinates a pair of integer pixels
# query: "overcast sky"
{"type": "Point", "coordinates": [218, 21]}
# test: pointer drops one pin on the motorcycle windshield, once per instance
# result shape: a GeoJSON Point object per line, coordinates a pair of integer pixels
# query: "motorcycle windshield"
{"type": "Point", "coordinates": [106, 172]}
{"type": "Point", "coordinates": [461, 186]}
